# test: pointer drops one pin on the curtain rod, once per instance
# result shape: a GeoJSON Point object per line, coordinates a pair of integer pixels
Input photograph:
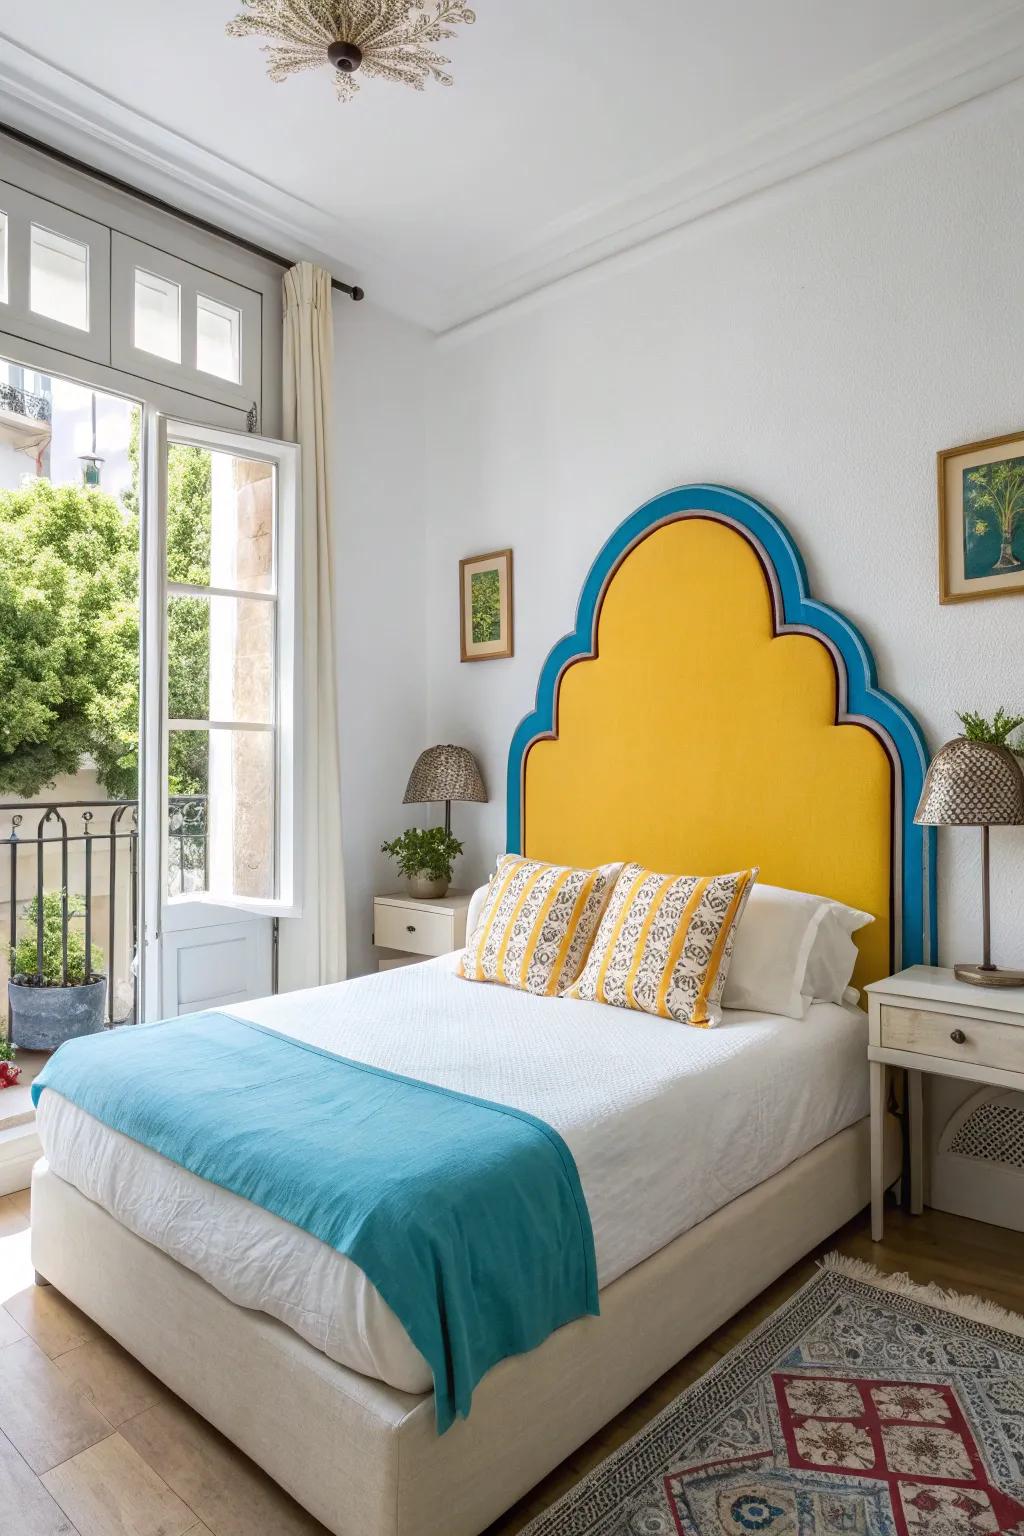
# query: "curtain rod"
{"type": "Point", "coordinates": [157, 202]}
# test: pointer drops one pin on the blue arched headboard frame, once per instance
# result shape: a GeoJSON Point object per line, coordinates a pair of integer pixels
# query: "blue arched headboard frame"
{"type": "Point", "coordinates": [859, 697]}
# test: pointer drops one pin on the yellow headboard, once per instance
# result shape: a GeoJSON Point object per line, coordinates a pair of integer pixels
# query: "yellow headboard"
{"type": "Point", "coordinates": [706, 715]}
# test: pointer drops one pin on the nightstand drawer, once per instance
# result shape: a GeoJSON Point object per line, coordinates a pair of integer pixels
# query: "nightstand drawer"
{"type": "Point", "coordinates": [984, 1043]}
{"type": "Point", "coordinates": [412, 929]}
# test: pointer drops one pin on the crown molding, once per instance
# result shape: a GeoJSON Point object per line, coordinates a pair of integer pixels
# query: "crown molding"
{"type": "Point", "coordinates": [57, 108]}
{"type": "Point", "coordinates": [943, 70]}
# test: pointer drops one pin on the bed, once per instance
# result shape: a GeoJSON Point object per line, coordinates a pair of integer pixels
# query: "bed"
{"type": "Point", "coordinates": [710, 1160]}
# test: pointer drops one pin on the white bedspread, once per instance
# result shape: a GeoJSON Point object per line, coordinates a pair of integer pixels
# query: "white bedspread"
{"type": "Point", "coordinates": [666, 1123]}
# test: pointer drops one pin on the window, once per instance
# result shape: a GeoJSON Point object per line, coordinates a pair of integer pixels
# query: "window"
{"type": "Point", "coordinates": [183, 325]}
{"type": "Point", "coordinates": [3, 258]}
{"type": "Point", "coordinates": [157, 316]}
{"type": "Point", "coordinates": [59, 269]}
{"type": "Point", "coordinates": [229, 523]}
{"type": "Point", "coordinates": [218, 331]}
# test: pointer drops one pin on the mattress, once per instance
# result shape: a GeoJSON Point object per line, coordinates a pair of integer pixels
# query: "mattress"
{"type": "Point", "coordinates": [667, 1124]}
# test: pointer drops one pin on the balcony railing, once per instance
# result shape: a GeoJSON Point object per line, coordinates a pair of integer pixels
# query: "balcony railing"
{"type": "Point", "coordinates": [21, 402]}
{"type": "Point", "coordinates": [88, 850]}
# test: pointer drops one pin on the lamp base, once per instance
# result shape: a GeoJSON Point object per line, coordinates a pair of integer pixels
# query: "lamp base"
{"type": "Point", "coordinates": [988, 976]}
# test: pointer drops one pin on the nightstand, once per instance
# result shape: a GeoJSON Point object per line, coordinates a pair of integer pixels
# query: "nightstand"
{"type": "Point", "coordinates": [419, 929]}
{"type": "Point", "coordinates": [925, 1020]}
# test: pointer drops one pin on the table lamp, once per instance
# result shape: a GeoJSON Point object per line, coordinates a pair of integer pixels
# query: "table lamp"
{"type": "Point", "coordinates": [975, 784]}
{"type": "Point", "coordinates": [445, 773]}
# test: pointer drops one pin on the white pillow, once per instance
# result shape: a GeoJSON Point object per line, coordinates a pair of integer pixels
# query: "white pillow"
{"type": "Point", "coordinates": [791, 949]}
{"type": "Point", "coordinates": [476, 902]}
{"type": "Point", "coordinates": [834, 954]}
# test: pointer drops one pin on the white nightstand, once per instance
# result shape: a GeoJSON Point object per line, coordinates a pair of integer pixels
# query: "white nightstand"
{"type": "Point", "coordinates": [419, 929]}
{"type": "Point", "coordinates": [927, 1021]}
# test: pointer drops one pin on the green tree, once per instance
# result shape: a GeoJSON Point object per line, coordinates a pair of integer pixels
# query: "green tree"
{"type": "Point", "coordinates": [69, 629]}
{"type": "Point", "coordinates": [189, 521]}
{"type": "Point", "coordinates": [69, 639]}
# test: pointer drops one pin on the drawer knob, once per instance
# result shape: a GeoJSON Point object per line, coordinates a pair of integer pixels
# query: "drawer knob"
{"type": "Point", "coordinates": [410, 927]}
{"type": "Point", "coordinates": [958, 1037]}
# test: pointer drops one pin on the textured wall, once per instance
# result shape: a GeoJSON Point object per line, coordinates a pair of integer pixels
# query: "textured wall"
{"type": "Point", "coordinates": [815, 346]}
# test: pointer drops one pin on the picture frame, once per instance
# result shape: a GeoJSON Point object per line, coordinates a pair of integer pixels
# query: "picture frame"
{"type": "Point", "coordinates": [485, 606]}
{"type": "Point", "coordinates": [981, 519]}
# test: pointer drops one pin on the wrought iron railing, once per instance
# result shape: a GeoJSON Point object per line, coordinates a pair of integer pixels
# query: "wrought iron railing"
{"type": "Point", "coordinates": [87, 852]}
{"type": "Point", "coordinates": [21, 402]}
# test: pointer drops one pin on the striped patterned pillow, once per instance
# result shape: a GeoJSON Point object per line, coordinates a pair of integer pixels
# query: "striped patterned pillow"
{"type": "Point", "coordinates": [536, 924]}
{"type": "Point", "coordinates": [665, 943]}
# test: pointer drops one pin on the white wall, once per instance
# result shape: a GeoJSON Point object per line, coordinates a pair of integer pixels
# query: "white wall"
{"type": "Point", "coordinates": [815, 346]}
{"type": "Point", "coordinates": [379, 516]}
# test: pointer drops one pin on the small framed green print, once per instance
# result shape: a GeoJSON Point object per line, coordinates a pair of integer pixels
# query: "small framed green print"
{"type": "Point", "coordinates": [981, 519]}
{"type": "Point", "coordinates": [485, 606]}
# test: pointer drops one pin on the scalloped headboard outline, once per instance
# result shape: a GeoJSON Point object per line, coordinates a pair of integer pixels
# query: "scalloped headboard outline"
{"type": "Point", "coordinates": [910, 855]}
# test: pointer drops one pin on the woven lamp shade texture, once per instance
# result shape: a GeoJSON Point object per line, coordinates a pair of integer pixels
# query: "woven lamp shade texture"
{"type": "Point", "coordinates": [972, 784]}
{"type": "Point", "coordinates": [445, 773]}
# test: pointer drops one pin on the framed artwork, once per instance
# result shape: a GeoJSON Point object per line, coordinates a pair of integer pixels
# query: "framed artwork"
{"type": "Point", "coordinates": [485, 606]}
{"type": "Point", "coordinates": [981, 519]}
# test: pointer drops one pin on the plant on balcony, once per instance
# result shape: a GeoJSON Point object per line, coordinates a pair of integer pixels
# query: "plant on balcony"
{"type": "Point", "coordinates": [45, 1009]}
{"type": "Point", "coordinates": [25, 959]}
{"type": "Point", "coordinates": [426, 856]}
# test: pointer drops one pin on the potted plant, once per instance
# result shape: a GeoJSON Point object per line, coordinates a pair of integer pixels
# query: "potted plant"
{"type": "Point", "coordinates": [425, 855]}
{"type": "Point", "coordinates": [996, 732]}
{"type": "Point", "coordinates": [46, 1010]}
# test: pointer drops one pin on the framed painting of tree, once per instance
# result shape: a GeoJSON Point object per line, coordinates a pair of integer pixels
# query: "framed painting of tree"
{"type": "Point", "coordinates": [485, 606]}
{"type": "Point", "coordinates": [981, 519]}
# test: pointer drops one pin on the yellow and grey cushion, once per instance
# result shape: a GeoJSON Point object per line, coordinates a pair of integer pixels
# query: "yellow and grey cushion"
{"type": "Point", "coordinates": [665, 943]}
{"type": "Point", "coordinates": [536, 924]}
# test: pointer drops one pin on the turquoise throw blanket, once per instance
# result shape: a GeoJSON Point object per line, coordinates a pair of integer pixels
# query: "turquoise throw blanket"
{"type": "Point", "coordinates": [468, 1217]}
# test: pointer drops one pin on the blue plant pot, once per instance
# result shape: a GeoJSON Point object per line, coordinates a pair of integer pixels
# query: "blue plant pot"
{"type": "Point", "coordinates": [44, 1017]}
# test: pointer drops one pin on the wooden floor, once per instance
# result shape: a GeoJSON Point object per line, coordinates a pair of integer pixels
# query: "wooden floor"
{"type": "Point", "coordinates": [91, 1444]}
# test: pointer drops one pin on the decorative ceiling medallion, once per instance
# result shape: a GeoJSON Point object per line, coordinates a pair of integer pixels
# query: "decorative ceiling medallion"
{"type": "Point", "coordinates": [387, 38]}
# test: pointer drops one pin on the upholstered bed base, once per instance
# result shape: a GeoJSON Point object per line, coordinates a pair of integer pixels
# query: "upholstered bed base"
{"type": "Point", "coordinates": [365, 1459]}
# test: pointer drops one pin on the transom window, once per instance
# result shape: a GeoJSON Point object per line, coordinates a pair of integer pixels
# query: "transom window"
{"type": "Point", "coordinates": [93, 292]}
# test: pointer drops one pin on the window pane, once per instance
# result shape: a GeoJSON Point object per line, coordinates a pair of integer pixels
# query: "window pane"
{"type": "Point", "coordinates": [221, 832]}
{"type": "Point", "coordinates": [157, 315]}
{"type": "Point", "coordinates": [218, 329]}
{"type": "Point", "coordinates": [59, 270]}
{"type": "Point", "coordinates": [3, 258]}
{"type": "Point", "coordinates": [221, 514]}
{"type": "Point", "coordinates": [220, 659]}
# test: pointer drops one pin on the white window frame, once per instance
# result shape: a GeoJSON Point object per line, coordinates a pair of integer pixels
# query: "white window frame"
{"type": "Point", "coordinates": [127, 254]}
{"type": "Point", "coordinates": [163, 431]}
{"type": "Point", "coordinates": [23, 209]}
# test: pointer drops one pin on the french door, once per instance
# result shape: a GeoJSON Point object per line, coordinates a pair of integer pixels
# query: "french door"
{"type": "Point", "coordinates": [219, 693]}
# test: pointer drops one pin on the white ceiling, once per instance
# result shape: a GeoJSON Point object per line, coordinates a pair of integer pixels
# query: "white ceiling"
{"type": "Point", "coordinates": [572, 130]}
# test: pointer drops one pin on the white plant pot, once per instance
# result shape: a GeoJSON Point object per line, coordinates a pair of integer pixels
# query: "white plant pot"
{"type": "Point", "coordinates": [425, 889]}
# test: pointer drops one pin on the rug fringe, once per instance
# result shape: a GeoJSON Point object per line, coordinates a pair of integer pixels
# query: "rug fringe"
{"type": "Point", "coordinates": [974, 1307]}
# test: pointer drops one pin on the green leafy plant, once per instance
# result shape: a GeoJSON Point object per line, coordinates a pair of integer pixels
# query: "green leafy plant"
{"type": "Point", "coordinates": [428, 851]}
{"type": "Point", "coordinates": [25, 957]}
{"type": "Point", "coordinates": [997, 731]}
{"type": "Point", "coordinates": [8, 1051]}
{"type": "Point", "coordinates": [69, 629]}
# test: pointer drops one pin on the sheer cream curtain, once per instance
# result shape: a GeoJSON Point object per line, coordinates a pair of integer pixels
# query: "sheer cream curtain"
{"type": "Point", "coordinates": [313, 946]}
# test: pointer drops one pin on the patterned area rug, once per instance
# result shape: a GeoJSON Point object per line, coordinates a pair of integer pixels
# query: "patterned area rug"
{"type": "Point", "coordinates": [866, 1406]}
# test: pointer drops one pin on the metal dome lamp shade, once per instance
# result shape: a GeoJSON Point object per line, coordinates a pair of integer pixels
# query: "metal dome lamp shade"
{"type": "Point", "coordinates": [445, 773]}
{"type": "Point", "coordinates": [976, 784]}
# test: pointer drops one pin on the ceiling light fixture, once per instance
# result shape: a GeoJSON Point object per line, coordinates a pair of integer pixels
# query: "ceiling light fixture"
{"type": "Point", "coordinates": [387, 38]}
